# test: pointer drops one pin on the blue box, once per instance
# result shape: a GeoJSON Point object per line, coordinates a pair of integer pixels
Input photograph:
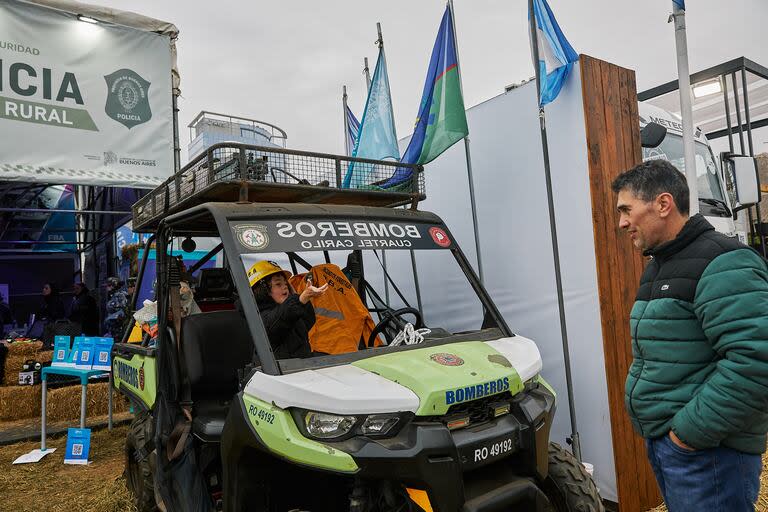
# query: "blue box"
{"type": "Point", "coordinates": [102, 359]}
{"type": "Point", "coordinates": [84, 359]}
{"type": "Point", "coordinates": [78, 446]}
{"type": "Point", "coordinates": [60, 351]}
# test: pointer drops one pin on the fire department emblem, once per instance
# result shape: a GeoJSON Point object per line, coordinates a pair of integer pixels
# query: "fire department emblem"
{"type": "Point", "coordinates": [446, 359]}
{"type": "Point", "coordinates": [439, 236]}
{"type": "Point", "coordinates": [253, 236]}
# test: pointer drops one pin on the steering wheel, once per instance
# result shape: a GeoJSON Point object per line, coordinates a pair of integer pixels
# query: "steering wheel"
{"type": "Point", "coordinates": [389, 317]}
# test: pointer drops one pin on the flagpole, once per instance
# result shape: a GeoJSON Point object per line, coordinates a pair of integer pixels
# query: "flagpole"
{"type": "Point", "coordinates": [473, 205]}
{"type": "Point", "coordinates": [686, 104]}
{"type": "Point", "coordinates": [347, 149]}
{"type": "Point", "coordinates": [367, 73]}
{"type": "Point", "coordinates": [380, 45]}
{"type": "Point", "coordinates": [553, 232]}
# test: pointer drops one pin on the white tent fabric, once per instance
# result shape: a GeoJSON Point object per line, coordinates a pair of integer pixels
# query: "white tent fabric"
{"type": "Point", "coordinates": [517, 250]}
{"type": "Point", "coordinates": [125, 18]}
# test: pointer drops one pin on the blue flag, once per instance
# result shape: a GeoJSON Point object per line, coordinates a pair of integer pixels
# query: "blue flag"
{"type": "Point", "coordinates": [351, 129]}
{"type": "Point", "coordinates": [377, 139]}
{"type": "Point", "coordinates": [679, 3]}
{"type": "Point", "coordinates": [556, 55]}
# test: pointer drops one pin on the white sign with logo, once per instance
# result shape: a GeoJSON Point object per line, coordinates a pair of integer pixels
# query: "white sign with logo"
{"type": "Point", "coordinates": [82, 103]}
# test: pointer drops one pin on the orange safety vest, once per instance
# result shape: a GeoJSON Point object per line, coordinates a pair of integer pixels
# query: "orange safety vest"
{"type": "Point", "coordinates": [341, 317]}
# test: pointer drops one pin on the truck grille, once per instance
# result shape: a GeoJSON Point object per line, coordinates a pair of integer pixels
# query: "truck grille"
{"type": "Point", "coordinates": [478, 411]}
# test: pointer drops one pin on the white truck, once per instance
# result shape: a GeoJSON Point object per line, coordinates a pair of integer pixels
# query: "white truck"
{"type": "Point", "coordinates": [714, 201]}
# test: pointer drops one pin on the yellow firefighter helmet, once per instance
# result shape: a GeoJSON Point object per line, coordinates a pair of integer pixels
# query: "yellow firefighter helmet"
{"type": "Point", "coordinates": [264, 268]}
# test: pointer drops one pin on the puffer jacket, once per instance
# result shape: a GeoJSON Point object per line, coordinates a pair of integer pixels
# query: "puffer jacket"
{"type": "Point", "coordinates": [700, 342]}
{"type": "Point", "coordinates": [288, 326]}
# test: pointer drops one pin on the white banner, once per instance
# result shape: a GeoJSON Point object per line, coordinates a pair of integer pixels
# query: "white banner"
{"type": "Point", "coordinates": [82, 103]}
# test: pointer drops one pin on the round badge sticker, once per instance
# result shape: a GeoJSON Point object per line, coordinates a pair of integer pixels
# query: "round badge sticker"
{"type": "Point", "coordinates": [253, 236]}
{"type": "Point", "coordinates": [440, 237]}
{"type": "Point", "coordinates": [446, 359]}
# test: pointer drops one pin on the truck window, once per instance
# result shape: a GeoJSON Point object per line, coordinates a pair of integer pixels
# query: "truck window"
{"type": "Point", "coordinates": [706, 168]}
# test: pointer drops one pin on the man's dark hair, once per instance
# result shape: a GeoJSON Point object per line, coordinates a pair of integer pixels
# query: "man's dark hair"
{"type": "Point", "coordinates": [649, 179]}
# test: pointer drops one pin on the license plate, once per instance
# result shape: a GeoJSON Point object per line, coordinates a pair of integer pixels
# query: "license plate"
{"type": "Point", "coordinates": [489, 451]}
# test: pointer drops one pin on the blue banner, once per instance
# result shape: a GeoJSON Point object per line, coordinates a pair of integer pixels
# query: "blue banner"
{"type": "Point", "coordinates": [377, 139]}
{"type": "Point", "coordinates": [352, 130]}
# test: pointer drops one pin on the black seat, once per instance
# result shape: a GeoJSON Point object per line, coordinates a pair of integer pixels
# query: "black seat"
{"type": "Point", "coordinates": [216, 346]}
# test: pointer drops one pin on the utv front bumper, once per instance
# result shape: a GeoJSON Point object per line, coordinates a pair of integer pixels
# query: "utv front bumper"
{"type": "Point", "coordinates": [489, 466]}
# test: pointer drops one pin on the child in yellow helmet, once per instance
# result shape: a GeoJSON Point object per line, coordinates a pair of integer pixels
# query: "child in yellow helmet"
{"type": "Point", "coordinates": [287, 316]}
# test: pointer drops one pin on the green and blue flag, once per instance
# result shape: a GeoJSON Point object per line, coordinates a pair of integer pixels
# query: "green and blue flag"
{"type": "Point", "coordinates": [441, 121]}
{"type": "Point", "coordinates": [376, 138]}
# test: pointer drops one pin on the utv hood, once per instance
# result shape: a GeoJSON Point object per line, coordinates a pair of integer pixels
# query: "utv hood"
{"type": "Point", "coordinates": [423, 381]}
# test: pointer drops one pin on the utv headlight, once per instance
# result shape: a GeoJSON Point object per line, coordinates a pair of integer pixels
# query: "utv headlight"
{"type": "Point", "coordinates": [328, 426]}
{"type": "Point", "coordinates": [379, 424]}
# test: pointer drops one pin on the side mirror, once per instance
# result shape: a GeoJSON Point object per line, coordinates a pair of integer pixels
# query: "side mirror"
{"type": "Point", "coordinates": [652, 134]}
{"type": "Point", "coordinates": [745, 179]}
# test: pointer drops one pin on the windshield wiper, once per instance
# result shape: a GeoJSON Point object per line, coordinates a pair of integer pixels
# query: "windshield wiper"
{"type": "Point", "coordinates": [718, 203]}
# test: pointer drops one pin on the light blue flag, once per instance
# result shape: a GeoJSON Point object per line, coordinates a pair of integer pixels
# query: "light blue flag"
{"type": "Point", "coordinates": [377, 139]}
{"type": "Point", "coordinates": [556, 55]}
{"type": "Point", "coordinates": [352, 129]}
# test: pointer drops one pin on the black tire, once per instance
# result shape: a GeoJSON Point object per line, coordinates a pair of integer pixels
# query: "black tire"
{"type": "Point", "coordinates": [568, 485]}
{"type": "Point", "coordinates": [138, 471]}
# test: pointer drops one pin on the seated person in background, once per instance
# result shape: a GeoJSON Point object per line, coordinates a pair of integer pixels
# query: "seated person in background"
{"type": "Point", "coordinates": [287, 316]}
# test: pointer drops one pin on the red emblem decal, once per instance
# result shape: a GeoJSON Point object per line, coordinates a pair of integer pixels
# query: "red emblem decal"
{"type": "Point", "coordinates": [440, 237]}
{"type": "Point", "coordinates": [446, 359]}
{"type": "Point", "coordinates": [141, 377]}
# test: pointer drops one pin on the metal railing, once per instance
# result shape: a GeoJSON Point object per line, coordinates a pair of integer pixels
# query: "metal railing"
{"type": "Point", "coordinates": [281, 168]}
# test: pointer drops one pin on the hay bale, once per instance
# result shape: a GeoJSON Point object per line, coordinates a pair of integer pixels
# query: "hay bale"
{"type": "Point", "coordinates": [20, 402]}
{"type": "Point", "coordinates": [18, 353]}
{"type": "Point", "coordinates": [64, 403]}
{"type": "Point", "coordinates": [25, 348]}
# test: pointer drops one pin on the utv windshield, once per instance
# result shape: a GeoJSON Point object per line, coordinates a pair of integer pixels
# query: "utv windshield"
{"type": "Point", "coordinates": [709, 185]}
{"type": "Point", "coordinates": [374, 299]}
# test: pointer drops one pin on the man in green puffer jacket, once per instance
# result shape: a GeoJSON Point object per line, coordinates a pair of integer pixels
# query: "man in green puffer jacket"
{"type": "Point", "coordinates": [697, 390]}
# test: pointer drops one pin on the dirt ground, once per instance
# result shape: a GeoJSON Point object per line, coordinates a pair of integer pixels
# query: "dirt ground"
{"type": "Point", "coordinates": [100, 486]}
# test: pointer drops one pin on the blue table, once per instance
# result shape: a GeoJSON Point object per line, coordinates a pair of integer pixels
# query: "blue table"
{"type": "Point", "coordinates": [84, 375]}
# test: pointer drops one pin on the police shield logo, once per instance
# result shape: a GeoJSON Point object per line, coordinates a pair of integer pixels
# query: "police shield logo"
{"type": "Point", "coordinates": [127, 98]}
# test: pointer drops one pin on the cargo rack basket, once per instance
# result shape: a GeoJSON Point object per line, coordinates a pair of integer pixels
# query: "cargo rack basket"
{"type": "Point", "coordinates": [234, 172]}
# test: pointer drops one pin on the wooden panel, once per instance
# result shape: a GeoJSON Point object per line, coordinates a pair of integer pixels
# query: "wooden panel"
{"type": "Point", "coordinates": [613, 144]}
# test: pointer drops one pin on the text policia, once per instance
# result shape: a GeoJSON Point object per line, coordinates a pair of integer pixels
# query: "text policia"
{"type": "Point", "coordinates": [24, 80]}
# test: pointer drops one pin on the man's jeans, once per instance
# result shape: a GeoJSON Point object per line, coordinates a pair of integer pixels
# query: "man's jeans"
{"type": "Point", "coordinates": [712, 480]}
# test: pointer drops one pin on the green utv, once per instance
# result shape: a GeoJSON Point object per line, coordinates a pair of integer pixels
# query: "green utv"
{"type": "Point", "coordinates": [418, 415]}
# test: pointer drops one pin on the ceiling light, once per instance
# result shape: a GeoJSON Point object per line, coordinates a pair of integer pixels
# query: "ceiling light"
{"type": "Point", "coordinates": [86, 19]}
{"type": "Point", "coordinates": [707, 88]}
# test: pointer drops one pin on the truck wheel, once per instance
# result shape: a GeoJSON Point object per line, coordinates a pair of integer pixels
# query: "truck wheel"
{"type": "Point", "coordinates": [138, 472]}
{"type": "Point", "coordinates": [568, 485]}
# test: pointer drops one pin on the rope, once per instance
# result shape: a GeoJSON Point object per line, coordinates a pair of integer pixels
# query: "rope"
{"type": "Point", "coordinates": [409, 335]}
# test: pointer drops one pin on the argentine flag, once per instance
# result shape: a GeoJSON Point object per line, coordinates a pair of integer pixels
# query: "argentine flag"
{"type": "Point", "coordinates": [556, 55]}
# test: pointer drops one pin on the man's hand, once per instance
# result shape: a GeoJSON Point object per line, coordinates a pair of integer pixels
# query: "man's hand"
{"type": "Point", "coordinates": [310, 292]}
{"type": "Point", "coordinates": [679, 443]}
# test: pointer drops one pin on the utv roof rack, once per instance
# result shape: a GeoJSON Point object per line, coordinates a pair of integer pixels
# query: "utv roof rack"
{"type": "Point", "coordinates": [234, 172]}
